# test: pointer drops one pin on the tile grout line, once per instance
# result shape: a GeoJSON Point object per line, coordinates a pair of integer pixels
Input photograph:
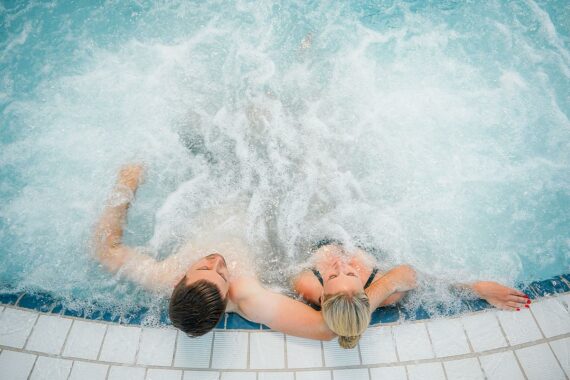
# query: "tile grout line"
{"type": "Point", "coordinates": [394, 344]}
{"type": "Point", "coordinates": [431, 343]}
{"type": "Point", "coordinates": [556, 358]}
{"type": "Point", "coordinates": [66, 337]}
{"type": "Point", "coordinates": [212, 350]}
{"type": "Point", "coordinates": [248, 352]}
{"type": "Point", "coordinates": [472, 350]}
{"type": "Point", "coordinates": [509, 344]}
{"type": "Point", "coordinates": [286, 362]}
{"type": "Point", "coordinates": [108, 369]}
{"type": "Point", "coordinates": [102, 342]}
{"type": "Point", "coordinates": [377, 365]}
{"type": "Point", "coordinates": [547, 340]}
{"type": "Point", "coordinates": [31, 332]}
{"type": "Point", "coordinates": [70, 370]}
{"type": "Point", "coordinates": [33, 366]}
{"type": "Point", "coordinates": [175, 348]}
{"type": "Point", "coordinates": [139, 346]}
{"type": "Point", "coordinates": [323, 353]}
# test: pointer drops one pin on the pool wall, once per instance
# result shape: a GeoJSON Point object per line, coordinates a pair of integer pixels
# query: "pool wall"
{"type": "Point", "coordinates": [44, 302]}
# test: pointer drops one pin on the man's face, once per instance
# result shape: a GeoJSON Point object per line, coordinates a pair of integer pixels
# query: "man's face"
{"type": "Point", "coordinates": [211, 268]}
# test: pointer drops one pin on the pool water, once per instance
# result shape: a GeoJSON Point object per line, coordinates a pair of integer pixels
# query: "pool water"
{"type": "Point", "coordinates": [435, 131]}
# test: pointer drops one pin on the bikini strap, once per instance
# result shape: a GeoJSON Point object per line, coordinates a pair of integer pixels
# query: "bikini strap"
{"type": "Point", "coordinates": [318, 275]}
{"type": "Point", "coordinates": [371, 278]}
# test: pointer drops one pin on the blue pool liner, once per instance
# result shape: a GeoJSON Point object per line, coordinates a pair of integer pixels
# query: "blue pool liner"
{"type": "Point", "coordinates": [47, 303]}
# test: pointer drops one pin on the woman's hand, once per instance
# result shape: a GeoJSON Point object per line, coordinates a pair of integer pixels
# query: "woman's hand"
{"type": "Point", "coordinates": [501, 296]}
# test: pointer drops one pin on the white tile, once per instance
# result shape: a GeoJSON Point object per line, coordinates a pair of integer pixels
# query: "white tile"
{"type": "Point", "coordinates": [483, 331]}
{"type": "Point", "coordinates": [539, 363]}
{"type": "Point", "coordinates": [377, 346]}
{"type": "Point", "coordinates": [49, 334]}
{"type": "Point", "coordinates": [88, 371]}
{"type": "Point", "coordinates": [552, 317]}
{"type": "Point", "coordinates": [388, 373]}
{"type": "Point", "coordinates": [266, 350]}
{"type": "Point", "coordinates": [122, 373]}
{"type": "Point", "coordinates": [16, 365]}
{"type": "Point", "coordinates": [163, 374]}
{"type": "Point", "coordinates": [84, 340]}
{"type": "Point", "coordinates": [201, 375]}
{"type": "Point", "coordinates": [464, 369]}
{"type": "Point", "coordinates": [15, 326]}
{"type": "Point", "coordinates": [230, 350]}
{"type": "Point", "coordinates": [51, 369]}
{"type": "Point", "coordinates": [501, 366]}
{"type": "Point", "coordinates": [412, 342]}
{"type": "Point", "coordinates": [427, 371]}
{"type": "Point", "coordinates": [303, 353]}
{"type": "Point", "coordinates": [275, 376]}
{"type": "Point", "coordinates": [156, 346]}
{"type": "Point", "coordinates": [447, 337]}
{"type": "Point", "coordinates": [351, 374]}
{"type": "Point", "coordinates": [561, 349]}
{"type": "Point", "coordinates": [519, 326]}
{"type": "Point", "coordinates": [336, 356]}
{"type": "Point", "coordinates": [313, 375]}
{"type": "Point", "coordinates": [193, 352]}
{"type": "Point", "coordinates": [121, 344]}
{"type": "Point", "coordinates": [238, 376]}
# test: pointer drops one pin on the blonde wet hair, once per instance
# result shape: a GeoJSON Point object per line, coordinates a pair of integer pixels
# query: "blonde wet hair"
{"type": "Point", "coordinates": [347, 315]}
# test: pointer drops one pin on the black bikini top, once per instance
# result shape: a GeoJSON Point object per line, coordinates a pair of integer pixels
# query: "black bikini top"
{"type": "Point", "coordinates": [368, 282]}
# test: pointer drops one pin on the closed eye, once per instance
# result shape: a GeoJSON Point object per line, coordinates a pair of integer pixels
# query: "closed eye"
{"type": "Point", "coordinates": [332, 276]}
{"type": "Point", "coordinates": [351, 274]}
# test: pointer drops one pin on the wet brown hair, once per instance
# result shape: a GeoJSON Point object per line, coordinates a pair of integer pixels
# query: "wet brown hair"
{"type": "Point", "coordinates": [196, 308]}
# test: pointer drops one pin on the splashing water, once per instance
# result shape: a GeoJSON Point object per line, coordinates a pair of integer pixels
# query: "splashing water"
{"type": "Point", "coordinates": [435, 131]}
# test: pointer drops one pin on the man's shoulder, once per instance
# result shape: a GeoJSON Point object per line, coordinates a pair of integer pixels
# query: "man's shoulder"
{"type": "Point", "coordinates": [244, 286]}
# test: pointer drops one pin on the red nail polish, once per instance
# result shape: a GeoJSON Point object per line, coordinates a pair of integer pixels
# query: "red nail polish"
{"type": "Point", "coordinates": [518, 309]}
{"type": "Point", "coordinates": [527, 301]}
{"type": "Point", "coordinates": [525, 296]}
{"type": "Point", "coordinates": [526, 306]}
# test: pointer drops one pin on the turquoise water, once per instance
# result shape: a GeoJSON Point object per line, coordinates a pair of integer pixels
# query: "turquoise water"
{"type": "Point", "coordinates": [437, 131]}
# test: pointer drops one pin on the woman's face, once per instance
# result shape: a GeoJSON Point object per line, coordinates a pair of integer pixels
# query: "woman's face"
{"type": "Point", "coordinates": [341, 277]}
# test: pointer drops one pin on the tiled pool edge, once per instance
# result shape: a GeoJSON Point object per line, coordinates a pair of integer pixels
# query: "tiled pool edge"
{"type": "Point", "coordinates": [43, 302]}
{"type": "Point", "coordinates": [260, 348]}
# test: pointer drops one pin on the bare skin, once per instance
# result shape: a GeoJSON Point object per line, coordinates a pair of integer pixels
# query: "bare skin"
{"type": "Point", "coordinates": [342, 274]}
{"type": "Point", "coordinates": [246, 295]}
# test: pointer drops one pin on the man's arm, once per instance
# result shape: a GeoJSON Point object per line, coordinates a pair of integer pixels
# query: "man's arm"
{"type": "Point", "coordinates": [278, 311]}
{"type": "Point", "coordinates": [107, 238]}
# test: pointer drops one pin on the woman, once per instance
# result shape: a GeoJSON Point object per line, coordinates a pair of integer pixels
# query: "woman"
{"type": "Point", "coordinates": [348, 287]}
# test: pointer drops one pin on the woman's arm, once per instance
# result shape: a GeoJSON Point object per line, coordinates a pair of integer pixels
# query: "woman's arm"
{"type": "Point", "coordinates": [391, 287]}
{"type": "Point", "coordinates": [307, 286]}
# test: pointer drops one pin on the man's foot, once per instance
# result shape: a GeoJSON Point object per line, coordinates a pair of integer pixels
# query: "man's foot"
{"type": "Point", "coordinates": [501, 296]}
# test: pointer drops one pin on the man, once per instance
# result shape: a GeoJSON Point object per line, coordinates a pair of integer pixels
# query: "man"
{"type": "Point", "coordinates": [203, 290]}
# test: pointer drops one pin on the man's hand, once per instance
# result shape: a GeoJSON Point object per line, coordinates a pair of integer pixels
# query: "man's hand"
{"type": "Point", "coordinates": [131, 176]}
{"type": "Point", "coordinates": [401, 278]}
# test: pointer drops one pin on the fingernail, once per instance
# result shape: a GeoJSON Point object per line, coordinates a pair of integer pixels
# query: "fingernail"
{"type": "Point", "coordinates": [518, 309]}
{"type": "Point", "coordinates": [527, 301]}
{"type": "Point", "coordinates": [526, 306]}
{"type": "Point", "coordinates": [525, 296]}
